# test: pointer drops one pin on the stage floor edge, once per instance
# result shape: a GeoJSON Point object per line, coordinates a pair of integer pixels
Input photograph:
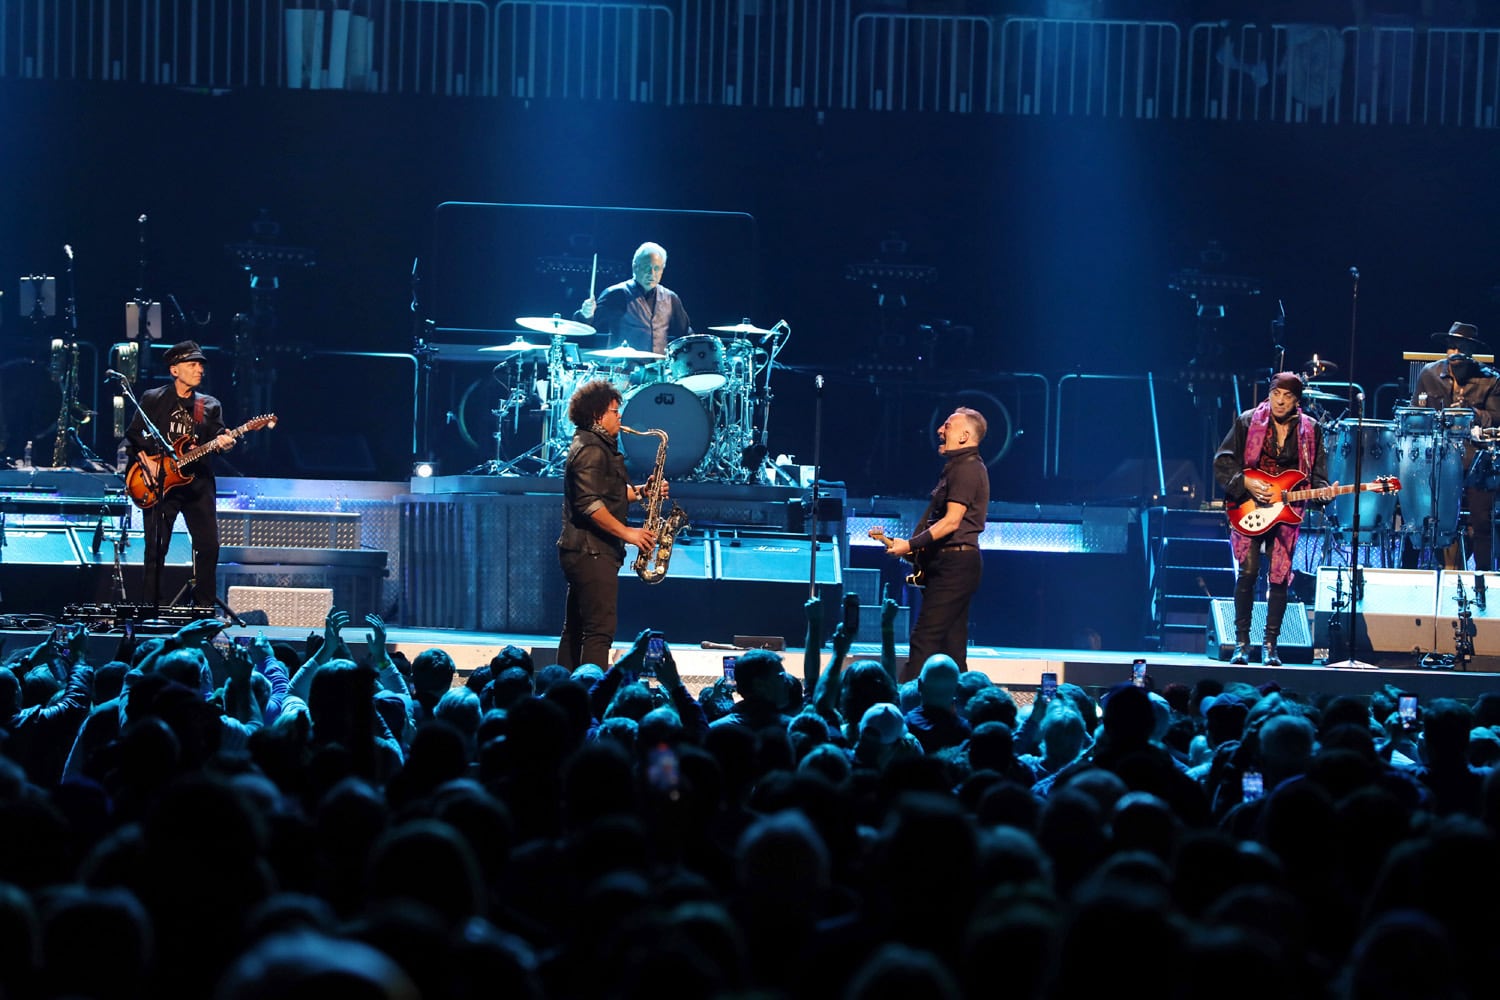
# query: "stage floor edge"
{"type": "Point", "coordinates": [1016, 669]}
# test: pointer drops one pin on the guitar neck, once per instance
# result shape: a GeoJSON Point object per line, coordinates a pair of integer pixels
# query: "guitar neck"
{"type": "Point", "coordinates": [1308, 494]}
{"type": "Point", "coordinates": [208, 447]}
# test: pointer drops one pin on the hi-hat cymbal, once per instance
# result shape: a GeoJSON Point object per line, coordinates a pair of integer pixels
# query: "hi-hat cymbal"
{"type": "Point", "coordinates": [515, 346]}
{"type": "Point", "coordinates": [556, 325]}
{"type": "Point", "coordinates": [1316, 365]}
{"type": "Point", "coordinates": [746, 329]}
{"type": "Point", "coordinates": [1318, 395]}
{"type": "Point", "coordinates": [626, 353]}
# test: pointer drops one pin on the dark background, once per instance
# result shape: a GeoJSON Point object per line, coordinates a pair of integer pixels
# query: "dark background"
{"type": "Point", "coordinates": [1054, 242]}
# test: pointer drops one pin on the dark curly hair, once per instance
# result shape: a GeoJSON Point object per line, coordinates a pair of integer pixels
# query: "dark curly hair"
{"type": "Point", "coordinates": [589, 402]}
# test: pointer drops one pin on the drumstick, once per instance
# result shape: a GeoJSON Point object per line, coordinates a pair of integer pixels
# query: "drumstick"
{"type": "Point", "coordinates": [593, 274]}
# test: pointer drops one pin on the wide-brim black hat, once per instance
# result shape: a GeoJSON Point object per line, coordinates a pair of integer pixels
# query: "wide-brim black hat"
{"type": "Point", "coordinates": [1464, 336]}
{"type": "Point", "coordinates": [188, 350]}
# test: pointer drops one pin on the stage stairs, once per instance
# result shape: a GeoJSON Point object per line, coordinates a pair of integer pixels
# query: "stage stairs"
{"type": "Point", "coordinates": [1191, 565]}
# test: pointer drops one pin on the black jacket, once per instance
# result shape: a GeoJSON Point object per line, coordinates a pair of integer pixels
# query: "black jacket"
{"type": "Point", "coordinates": [595, 476]}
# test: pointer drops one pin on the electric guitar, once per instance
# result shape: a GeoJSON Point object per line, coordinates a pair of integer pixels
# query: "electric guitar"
{"type": "Point", "coordinates": [918, 575]}
{"type": "Point", "coordinates": [1255, 518]}
{"type": "Point", "coordinates": [146, 492]}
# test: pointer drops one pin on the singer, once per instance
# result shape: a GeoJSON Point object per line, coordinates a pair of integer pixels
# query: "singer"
{"type": "Point", "coordinates": [1459, 381]}
{"type": "Point", "coordinates": [1272, 437]}
{"type": "Point", "coordinates": [641, 312]}
{"type": "Point", "coordinates": [187, 418]}
{"type": "Point", "coordinates": [946, 545]}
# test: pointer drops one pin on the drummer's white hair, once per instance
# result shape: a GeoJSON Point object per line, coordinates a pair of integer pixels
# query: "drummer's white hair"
{"type": "Point", "coordinates": [647, 249]}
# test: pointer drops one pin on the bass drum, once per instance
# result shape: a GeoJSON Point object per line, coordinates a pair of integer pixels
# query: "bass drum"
{"type": "Point", "coordinates": [672, 408]}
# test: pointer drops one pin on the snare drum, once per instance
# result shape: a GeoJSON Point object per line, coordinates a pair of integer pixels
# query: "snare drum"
{"type": "Point", "coordinates": [674, 409]}
{"type": "Point", "coordinates": [697, 362]}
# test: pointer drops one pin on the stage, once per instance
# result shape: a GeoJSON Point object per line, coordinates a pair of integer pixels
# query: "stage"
{"type": "Point", "coordinates": [468, 564]}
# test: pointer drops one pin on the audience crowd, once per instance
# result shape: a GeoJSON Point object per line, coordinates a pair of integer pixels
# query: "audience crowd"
{"type": "Point", "coordinates": [200, 818]}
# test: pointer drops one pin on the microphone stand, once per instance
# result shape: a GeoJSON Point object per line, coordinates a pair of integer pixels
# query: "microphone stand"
{"type": "Point", "coordinates": [812, 521]}
{"type": "Point", "coordinates": [153, 483]}
{"type": "Point", "coordinates": [1356, 576]}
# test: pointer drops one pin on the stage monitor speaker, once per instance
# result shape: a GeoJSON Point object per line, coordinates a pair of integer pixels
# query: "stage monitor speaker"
{"type": "Point", "coordinates": [762, 584]}
{"type": "Point", "coordinates": [678, 603]}
{"type": "Point", "coordinates": [1486, 619]}
{"type": "Point", "coordinates": [41, 571]}
{"type": "Point", "coordinates": [1294, 644]}
{"type": "Point", "coordinates": [49, 546]}
{"type": "Point", "coordinates": [1398, 613]}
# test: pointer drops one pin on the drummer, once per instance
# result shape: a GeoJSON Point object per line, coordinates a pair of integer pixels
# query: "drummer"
{"type": "Point", "coordinates": [641, 312]}
{"type": "Point", "coordinates": [1458, 380]}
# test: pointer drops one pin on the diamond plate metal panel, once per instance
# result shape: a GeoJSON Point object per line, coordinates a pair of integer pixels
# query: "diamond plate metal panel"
{"type": "Point", "coordinates": [379, 525]}
{"type": "Point", "coordinates": [294, 607]}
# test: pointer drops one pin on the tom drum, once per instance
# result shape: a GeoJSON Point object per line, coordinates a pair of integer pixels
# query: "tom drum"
{"type": "Point", "coordinates": [697, 362]}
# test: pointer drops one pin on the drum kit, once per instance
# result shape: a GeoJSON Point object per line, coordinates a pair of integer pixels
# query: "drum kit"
{"type": "Point", "coordinates": [1427, 449]}
{"type": "Point", "coordinates": [705, 392]}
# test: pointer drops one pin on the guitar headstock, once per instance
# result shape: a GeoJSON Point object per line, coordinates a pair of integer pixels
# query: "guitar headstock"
{"type": "Point", "coordinates": [1387, 484]}
{"type": "Point", "coordinates": [261, 422]}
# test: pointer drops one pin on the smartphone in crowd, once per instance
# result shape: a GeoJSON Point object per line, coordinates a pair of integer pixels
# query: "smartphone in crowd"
{"type": "Point", "coordinates": [1049, 686]}
{"type": "Point", "coordinates": [1138, 673]}
{"type": "Point", "coordinates": [1406, 707]}
{"type": "Point", "coordinates": [59, 640]}
{"type": "Point", "coordinates": [729, 662]}
{"type": "Point", "coordinates": [656, 651]}
{"type": "Point", "coordinates": [663, 771]}
{"type": "Point", "coordinates": [244, 640]}
{"type": "Point", "coordinates": [1252, 786]}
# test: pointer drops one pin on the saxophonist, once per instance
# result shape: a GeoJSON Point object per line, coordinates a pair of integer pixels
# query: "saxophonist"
{"type": "Point", "coordinates": [596, 500]}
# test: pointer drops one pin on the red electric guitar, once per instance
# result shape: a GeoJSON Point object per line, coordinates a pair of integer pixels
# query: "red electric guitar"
{"type": "Point", "coordinates": [1255, 518]}
{"type": "Point", "coordinates": [147, 492]}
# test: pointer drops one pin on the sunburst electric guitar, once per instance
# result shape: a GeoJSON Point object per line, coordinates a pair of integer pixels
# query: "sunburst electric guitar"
{"type": "Point", "coordinates": [1255, 518]}
{"type": "Point", "coordinates": [146, 492]}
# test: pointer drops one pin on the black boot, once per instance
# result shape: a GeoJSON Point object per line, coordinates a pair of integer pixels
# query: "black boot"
{"type": "Point", "coordinates": [1276, 600]}
{"type": "Point", "coordinates": [1241, 650]}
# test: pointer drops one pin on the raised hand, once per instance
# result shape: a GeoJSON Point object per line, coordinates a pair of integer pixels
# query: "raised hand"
{"type": "Point", "coordinates": [376, 637]}
{"type": "Point", "coordinates": [196, 634]}
{"type": "Point", "coordinates": [843, 638]}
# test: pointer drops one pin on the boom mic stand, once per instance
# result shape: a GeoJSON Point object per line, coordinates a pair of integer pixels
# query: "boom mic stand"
{"type": "Point", "coordinates": [1356, 577]}
{"type": "Point", "coordinates": [153, 483]}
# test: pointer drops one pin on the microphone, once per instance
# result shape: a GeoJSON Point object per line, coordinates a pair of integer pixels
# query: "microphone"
{"type": "Point", "coordinates": [111, 373]}
{"type": "Point", "coordinates": [98, 541]}
{"type": "Point", "coordinates": [783, 326]}
{"type": "Point", "coordinates": [705, 644]}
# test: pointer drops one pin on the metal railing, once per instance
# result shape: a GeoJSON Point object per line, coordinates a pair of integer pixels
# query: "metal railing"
{"type": "Point", "coordinates": [821, 54]}
{"type": "Point", "coordinates": [590, 51]}
{"type": "Point", "coordinates": [1109, 69]}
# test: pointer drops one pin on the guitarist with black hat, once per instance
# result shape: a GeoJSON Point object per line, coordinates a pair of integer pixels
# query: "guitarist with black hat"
{"type": "Point", "coordinates": [185, 416]}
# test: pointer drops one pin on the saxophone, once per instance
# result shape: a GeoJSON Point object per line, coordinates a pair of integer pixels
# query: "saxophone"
{"type": "Point", "coordinates": [651, 567]}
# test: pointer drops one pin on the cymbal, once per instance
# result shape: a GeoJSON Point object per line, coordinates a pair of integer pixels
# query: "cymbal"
{"type": "Point", "coordinates": [515, 346]}
{"type": "Point", "coordinates": [1318, 395]}
{"type": "Point", "coordinates": [556, 326]}
{"type": "Point", "coordinates": [626, 353]}
{"type": "Point", "coordinates": [749, 329]}
{"type": "Point", "coordinates": [1316, 366]}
